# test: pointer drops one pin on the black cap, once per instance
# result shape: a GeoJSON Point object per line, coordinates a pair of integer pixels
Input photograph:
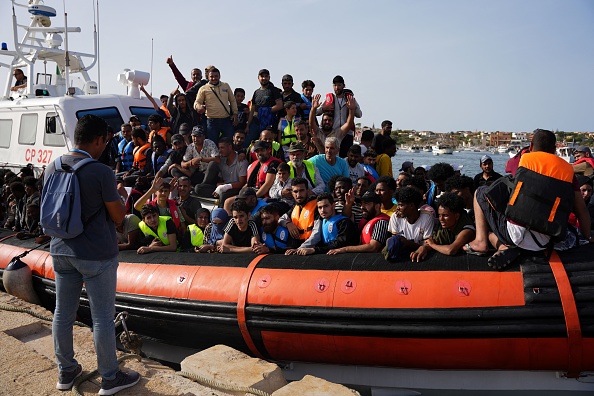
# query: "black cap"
{"type": "Point", "coordinates": [338, 80]}
{"type": "Point", "coordinates": [184, 128]}
{"type": "Point", "coordinates": [246, 192]}
{"type": "Point", "coordinates": [177, 138]}
{"type": "Point", "coordinates": [261, 144]}
{"type": "Point", "coordinates": [582, 179]}
{"type": "Point", "coordinates": [263, 71]}
{"type": "Point", "coordinates": [583, 149]}
{"type": "Point", "coordinates": [406, 165]}
{"type": "Point", "coordinates": [371, 196]}
{"type": "Point", "coordinates": [288, 77]}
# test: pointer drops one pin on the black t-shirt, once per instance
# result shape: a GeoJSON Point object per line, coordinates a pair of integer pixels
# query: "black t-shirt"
{"type": "Point", "coordinates": [266, 97]}
{"type": "Point", "coordinates": [241, 238]}
{"type": "Point", "coordinates": [479, 180]}
{"type": "Point", "coordinates": [294, 97]}
{"type": "Point", "coordinates": [242, 117]}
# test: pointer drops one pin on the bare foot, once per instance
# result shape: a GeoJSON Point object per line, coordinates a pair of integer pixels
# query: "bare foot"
{"type": "Point", "coordinates": [477, 246]}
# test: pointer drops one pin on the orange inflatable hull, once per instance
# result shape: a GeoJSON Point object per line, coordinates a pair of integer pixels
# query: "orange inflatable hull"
{"type": "Point", "coordinates": [444, 313]}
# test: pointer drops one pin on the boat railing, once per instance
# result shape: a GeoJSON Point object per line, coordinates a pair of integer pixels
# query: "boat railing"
{"type": "Point", "coordinates": [47, 48]}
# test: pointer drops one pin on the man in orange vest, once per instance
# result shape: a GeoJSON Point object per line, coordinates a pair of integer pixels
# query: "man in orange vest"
{"type": "Point", "coordinates": [154, 123]}
{"type": "Point", "coordinates": [300, 220]}
{"type": "Point", "coordinates": [535, 211]}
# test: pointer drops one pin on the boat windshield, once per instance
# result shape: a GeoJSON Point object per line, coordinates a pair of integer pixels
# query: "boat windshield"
{"type": "Point", "coordinates": [143, 113]}
{"type": "Point", "coordinates": [111, 115]}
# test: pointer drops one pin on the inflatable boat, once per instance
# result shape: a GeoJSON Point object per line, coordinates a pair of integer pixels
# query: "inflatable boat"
{"type": "Point", "coordinates": [445, 313]}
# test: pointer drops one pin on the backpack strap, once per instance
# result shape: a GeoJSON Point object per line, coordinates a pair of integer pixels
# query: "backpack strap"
{"type": "Point", "coordinates": [82, 163]}
{"type": "Point", "coordinates": [78, 166]}
{"type": "Point", "coordinates": [58, 164]}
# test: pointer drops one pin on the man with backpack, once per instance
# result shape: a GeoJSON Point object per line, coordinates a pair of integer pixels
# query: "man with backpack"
{"type": "Point", "coordinates": [84, 250]}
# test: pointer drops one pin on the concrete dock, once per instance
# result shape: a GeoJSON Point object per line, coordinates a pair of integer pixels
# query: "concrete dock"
{"type": "Point", "coordinates": [29, 368]}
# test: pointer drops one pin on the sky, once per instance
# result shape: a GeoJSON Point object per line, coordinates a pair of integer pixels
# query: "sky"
{"type": "Point", "coordinates": [440, 65]}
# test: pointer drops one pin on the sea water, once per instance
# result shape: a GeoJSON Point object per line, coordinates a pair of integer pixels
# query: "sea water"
{"type": "Point", "coordinates": [467, 161]}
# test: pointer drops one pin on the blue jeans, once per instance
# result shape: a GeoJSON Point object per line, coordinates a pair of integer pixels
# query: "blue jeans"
{"type": "Point", "coordinates": [100, 279]}
{"type": "Point", "coordinates": [216, 126]}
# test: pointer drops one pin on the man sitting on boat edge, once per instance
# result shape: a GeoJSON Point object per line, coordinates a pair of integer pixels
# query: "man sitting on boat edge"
{"type": "Point", "coordinates": [375, 230]}
{"type": "Point", "coordinates": [332, 231]}
{"type": "Point", "coordinates": [540, 172]}
{"type": "Point", "coordinates": [241, 234]}
{"type": "Point", "coordinates": [275, 238]}
{"type": "Point", "coordinates": [159, 232]}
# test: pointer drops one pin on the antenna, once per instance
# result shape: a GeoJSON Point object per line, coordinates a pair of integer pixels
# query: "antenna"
{"type": "Point", "coordinates": [66, 55]}
{"type": "Point", "coordinates": [152, 41]}
{"type": "Point", "coordinates": [98, 48]}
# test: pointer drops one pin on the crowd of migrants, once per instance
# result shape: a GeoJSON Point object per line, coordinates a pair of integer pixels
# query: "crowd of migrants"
{"type": "Point", "coordinates": [288, 178]}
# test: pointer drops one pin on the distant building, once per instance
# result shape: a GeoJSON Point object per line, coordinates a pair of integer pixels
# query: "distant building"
{"type": "Point", "coordinates": [500, 139]}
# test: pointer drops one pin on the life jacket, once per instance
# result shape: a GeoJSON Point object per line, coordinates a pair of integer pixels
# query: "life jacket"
{"type": "Point", "coordinates": [196, 235]}
{"type": "Point", "coordinates": [368, 228]}
{"type": "Point", "coordinates": [542, 196]}
{"type": "Point", "coordinates": [260, 177]}
{"type": "Point", "coordinates": [140, 156]}
{"type": "Point", "coordinates": [172, 210]}
{"type": "Point", "coordinates": [167, 114]}
{"type": "Point", "coordinates": [260, 203]}
{"type": "Point", "coordinates": [589, 160]}
{"type": "Point", "coordinates": [127, 153]}
{"type": "Point", "coordinates": [431, 194]}
{"type": "Point", "coordinates": [278, 240]}
{"type": "Point", "coordinates": [370, 173]}
{"type": "Point", "coordinates": [275, 148]}
{"type": "Point", "coordinates": [161, 230]}
{"type": "Point", "coordinates": [161, 132]}
{"type": "Point", "coordinates": [159, 161]}
{"type": "Point", "coordinates": [310, 173]}
{"type": "Point", "coordinates": [304, 217]}
{"type": "Point", "coordinates": [307, 101]}
{"type": "Point", "coordinates": [329, 228]}
{"type": "Point", "coordinates": [287, 129]}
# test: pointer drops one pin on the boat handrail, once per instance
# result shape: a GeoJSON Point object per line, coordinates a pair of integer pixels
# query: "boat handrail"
{"type": "Point", "coordinates": [75, 29]}
{"type": "Point", "coordinates": [61, 126]}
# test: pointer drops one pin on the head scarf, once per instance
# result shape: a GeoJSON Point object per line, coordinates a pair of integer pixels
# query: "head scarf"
{"type": "Point", "coordinates": [218, 230]}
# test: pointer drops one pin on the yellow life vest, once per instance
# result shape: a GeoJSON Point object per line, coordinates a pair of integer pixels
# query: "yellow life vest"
{"type": "Point", "coordinates": [196, 235]}
{"type": "Point", "coordinates": [161, 229]}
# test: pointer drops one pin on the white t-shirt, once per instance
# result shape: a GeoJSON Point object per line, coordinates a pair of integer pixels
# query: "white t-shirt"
{"type": "Point", "coordinates": [524, 239]}
{"type": "Point", "coordinates": [417, 232]}
{"type": "Point", "coordinates": [356, 172]}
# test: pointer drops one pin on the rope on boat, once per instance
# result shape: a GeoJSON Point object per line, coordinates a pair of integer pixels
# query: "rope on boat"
{"type": "Point", "coordinates": [10, 308]}
{"type": "Point", "coordinates": [219, 385]}
{"type": "Point", "coordinates": [95, 373]}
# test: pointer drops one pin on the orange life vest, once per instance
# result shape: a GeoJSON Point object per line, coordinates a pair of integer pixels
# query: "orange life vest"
{"type": "Point", "coordinates": [161, 132]}
{"type": "Point", "coordinates": [166, 111]}
{"type": "Point", "coordinates": [140, 156]}
{"type": "Point", "coordinates": [304, 217]}
{"type": "Point", "coordinates": [542, 195]}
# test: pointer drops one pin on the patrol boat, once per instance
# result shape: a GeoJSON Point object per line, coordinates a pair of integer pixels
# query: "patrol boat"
{"type": "Point", "coordinates": [37, 122]}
